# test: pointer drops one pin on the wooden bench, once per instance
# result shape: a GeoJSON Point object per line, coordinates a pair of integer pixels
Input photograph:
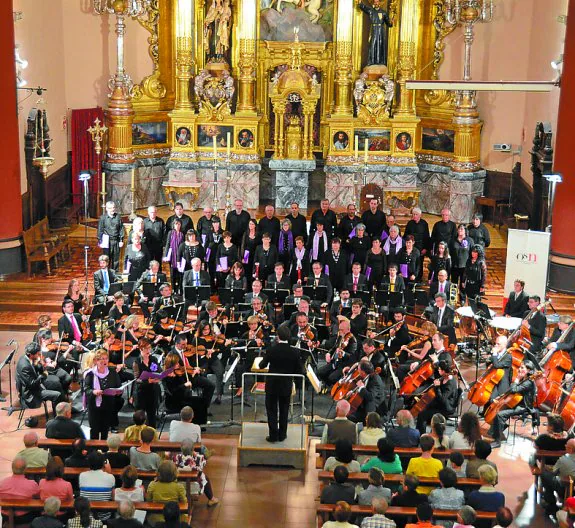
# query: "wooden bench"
{"type": "Point", "coordinates": [41, 245]}
{"type": "Point", "coordinates": [396, 479]}
{"type": "Point", "coordinates": [326, 450]}
{"type": "Point", "coordinates": [9, 506]}
{"type": "Point", "coordinates": [157, 445]}
{"type": "Point", "coordinates": [73, 472]}
{"type": "Point", "coordinates": [542, 456]}
{"type": "Point", "coordinates": [324, 511]}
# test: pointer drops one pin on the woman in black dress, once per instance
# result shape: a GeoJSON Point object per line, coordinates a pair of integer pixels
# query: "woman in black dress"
{"type": "Point", "coordinates": [285, 243]}
{"type": "Point", "coordinates": [137, 258]}
{"type": "Point", "coordinates": [375, 262]}
{"type": "Point", "coordinates": [440, 260]}
{"type": "Point", "coordinates": [213, 241]}
{"type": "Point", "coordinates": [409, 260]}
{"type": "Point", "coordinates": [265, 258]}
{"type": "Point", "coordinates": [475, 274]}
{"type": "Point", "coordinates": [190, 249]}
{"type": "Point", "coordinates": [101, 406]}
{"type": "Point", "coordinates": [226, 257]}
{"type": "Point", "coordinates": [459, 251]}
{"type": "Point", "coordinates": [359, 245]}
{"type": "Point", "coordinates": [147, 391]}
{"type": "Point", "coordinates": [250, 241]}
{"type": "Point", "coordinates": [75, 296]}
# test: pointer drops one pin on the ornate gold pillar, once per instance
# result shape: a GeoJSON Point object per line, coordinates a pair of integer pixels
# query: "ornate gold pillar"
{"type": "Point", "coordinates": [408, 37]}
{"type": "Point", "coordinates": [305, 150]}
{"type": "Point", "coordinates": [280, 148]}
{"type": "Point", "coordinates": [343, 58]}
{"type": "Point", "coordinates": [184, 57]}
{"type": "Point", "coordinates": [247, 60]}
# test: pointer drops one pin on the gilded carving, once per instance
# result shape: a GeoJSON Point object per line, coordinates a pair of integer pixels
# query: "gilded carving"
{"type": "Point", "coordinates": [442, 29]}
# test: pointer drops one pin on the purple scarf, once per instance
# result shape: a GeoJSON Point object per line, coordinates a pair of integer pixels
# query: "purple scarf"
{"type": "Point", "coordinates": [398, 245]}
{"type": "Point", "coordinates": [299, 255]}
{"type": "Point", "coordinates": [175, 241]}
{"type": "Point", "coordinates": [97, 378]}
{"type": "Point", "coordinates": [315, 246]}
{"type": "Point", "coordinates": [281, 243]}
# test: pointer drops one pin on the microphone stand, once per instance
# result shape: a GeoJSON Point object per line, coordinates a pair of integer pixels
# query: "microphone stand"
{"type": "Point", "coordinates": [85, 178]}
{"type": "Point", "coordinates": [8, 361]}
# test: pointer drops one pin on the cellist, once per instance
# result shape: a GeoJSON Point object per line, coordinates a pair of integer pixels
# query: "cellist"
{"type": "Point", "coordinates": [500, 360]}
{"type": "Point", "coordinates": [524, 385]}
{"type": "Point", "coordinates": [561, 341]}
{"type": "Point", "coordinates": [370, 390]}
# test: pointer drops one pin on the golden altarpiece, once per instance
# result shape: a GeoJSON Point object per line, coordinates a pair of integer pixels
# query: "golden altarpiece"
{"type": "Point", "coordinates": [241, 87]}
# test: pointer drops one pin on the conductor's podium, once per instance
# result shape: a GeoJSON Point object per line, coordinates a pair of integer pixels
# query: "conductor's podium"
{"type": "Point", "coordinates": [253, 449]}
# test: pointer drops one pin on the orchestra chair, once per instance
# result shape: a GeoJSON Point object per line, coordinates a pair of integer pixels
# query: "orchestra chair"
{"type": "Point", "coordinates": [454, 418]}
{"type": "Point", "coordinates": [523, 416]}
{"type": "Point", "coordinates": [24, 406]}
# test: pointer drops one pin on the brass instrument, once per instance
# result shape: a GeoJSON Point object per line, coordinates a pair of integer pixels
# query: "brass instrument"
{"type": "Point", "coordinates": [454, 298]}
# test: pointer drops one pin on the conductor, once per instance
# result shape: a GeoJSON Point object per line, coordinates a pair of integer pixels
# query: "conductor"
{"type": "Point", "coordinates": [282, 359]}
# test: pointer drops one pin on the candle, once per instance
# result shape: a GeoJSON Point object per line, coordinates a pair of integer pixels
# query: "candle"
{"type": "Point", "coordinates": [228, 139]}
{"type": "Point", "coordinates": [356, 147]}
{"type": "Point", "coordinates": [133, 179]}
{"type": "Point", "coordinates": [104, 183]}
{"type": "Point", "coordinates": [215, 148]}
{"type": "Point", "coordinates": [365, 145]}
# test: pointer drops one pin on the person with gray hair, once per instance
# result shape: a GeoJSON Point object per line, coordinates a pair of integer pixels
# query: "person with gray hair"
{"type": "Point", "coordinates": [465, 517]}
{"type": "Point", "coordinates": [17, 486]}
{"type": "Point", "coordinates": [154, 233]}
{"type": "Point", "coordinates": [418, 228]}
{"type": "Point", "coordinates": [63, 427]}
{"type": "Point", "coordinates": [111, 234]}
{"type": "Point", "coordinates": [405, 434]}
{"type": "Point", "coordinates": [125, 519]}
{"type": "Point", "coordinates": [48, 518]}
{"type": "Point", "coordinates": [34, 455]}
{"type": "Point", "coordinates": [184, 428]}
{"type": "Point", "coordinates": [444, 230]}
{"type": "Point", "coordinates": [378, 519]}
{"type": "Point", "coordinates": [116, 459]}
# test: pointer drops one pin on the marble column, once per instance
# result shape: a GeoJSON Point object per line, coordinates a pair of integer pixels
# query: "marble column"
{"type": "Point", "coordinates": [11, 259]}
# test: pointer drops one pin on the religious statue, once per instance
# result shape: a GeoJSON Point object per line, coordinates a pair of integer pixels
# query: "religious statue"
{"type": "Point", "coordinates": [229, 87]}
{"type": "Point", "coordinates": [359, 89]}
{"type": "Point", "coordinates": [224, 29]}
{"type": "Point", "coordinates": [380, 22]}
{"type": "Point", "coordinates": [199, 82]}
{"type": "Point", "coordinates": [217, 28]}
{"type": "Point", "coordinates": [388, 86]}
{"type": "Point", "coordinates": [293, 138]}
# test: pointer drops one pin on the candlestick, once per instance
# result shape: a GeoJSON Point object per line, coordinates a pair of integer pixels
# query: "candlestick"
{"type": "Point", "coordinates": [365, 146]}
{"type": "Point", "coordinates": [215, 148]}
{"type": "Point", "coordinates": [104, 183]}
{"type": "Point", "coordinates": [356, 147]}
{"type": "Point", "coordinates": [228, 140]}
{"type": "Point", "coordinates": [133, 179]}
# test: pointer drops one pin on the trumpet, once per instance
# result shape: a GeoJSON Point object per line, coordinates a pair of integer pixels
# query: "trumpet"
{"type": "Point", "coordinates": [454, 299]}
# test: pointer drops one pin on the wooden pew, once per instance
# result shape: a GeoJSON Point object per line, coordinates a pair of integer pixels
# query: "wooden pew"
{"type": "Point", "coordinates": [325, 477]}
{"type": "Point", "coordinates": [542, 456]}
{"type": "Point", "coordinates": [41, 245]}
{"type": "Point", "coordinates": [73, 472]}
{"type": "Point", "coordinates": [10, 505]}
{"type": "Point", "coordinates": [326, 450]}
{"type": "Point", "coordinates": [324, 511]}
{"type": "Point", "coordinates": [157, 445]}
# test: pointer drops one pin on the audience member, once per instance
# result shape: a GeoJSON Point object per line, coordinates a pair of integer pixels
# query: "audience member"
{"type": "Point", "coordinates": [378, 519]}
{"type": "Point", "coordinates": [131, 490]}
{"type": "Point", "coordinates": [34, 455]}
{"type": "Point", "coordinates": [132, 433]}
{"type": "Point", "coordinates": [424, 513]}
{"type": "Point", "coordinates": [551, 480]}
{"type": "Point", "coordinates": [340, 489]}
{"type": "Point", "coordinates": [467, 433]}
{"type": "Point", "coordinates": [425, 465]}
{"type": "Point", "coordinates": [482, 451]}
{"type": "Point", "coordinates": [54, 484]}
{"type": "Point", "coordinates": [342, 515]}
{"type": "Point", "coordinates": [343, 457]}
{"type": "Point", "coordinates": [448, 497]}
{"type": "Point", "coordinates": [405, 434]}
{"type": "Point", "coordinates": [48, 518]}
{"type": "Point", "coordinates": [372, 431]}
{"type": "Point", "coordinates": [465, 518]}
{"type": "Point", "coordinates": [18, 486]}
{"type": "Point", "coordinates": [458, 463]}
{"type": "Point", "coordinates": [97, 484]}
{"type": "Point", "coordinates": [553, 439]}
{"type": "Point", "coordinates": [486, 498]}
{"type": "Point", "coordinates": [83, 516]}
{"type": "Point", "coordinates": [63, 427]}
{"type": "Point", "coordinates": [78, 458]}
{"type": "Point", "coordinates": [116, 459]}
{"type": "Point", "coordinates": [504, 516]}
{"type": "Point", "coordinates": [143, 457]}
{"type": "Point", "coordinates": [438, 422]}
{"type": "Point", "coordinates": [386, 460]}
{"type": "Point", "coordinates": [409, 496]}
{"type": "Point", "coordinates": [126, 516]}
{"type": "Point", "coordinates": [165, 488]}
{"type": "Point", "coordinates": [172, 517]}
{"type": "Point", "coordinates": [184, 428]}
{"type": "Point", "coordinates": [341, 426]}
{"type": "Point", "coordinates": [375, 489]}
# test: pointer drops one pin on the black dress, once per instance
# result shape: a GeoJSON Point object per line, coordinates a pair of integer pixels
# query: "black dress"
{"type": "Point", "coordinates": [138, 260]}
{"type": "Point", "coordinates": [100, 417]}
{"type": "Point", "coordinates": [147, 394]}
{"type": "Point", "coordinates": [189, 252]}
{"type": "Point", "coordinates": [359, 248]}
{"type": "Point", "coordinates": [231, 254]}
{"type": "Point", "coordinates": [377, 265]}
{"type": "Point", "coordinates": [436, 265]}
{"type": "Point", "coordinates": [411, 260]}
{"type": "Point", "coordinates": [78, 303]}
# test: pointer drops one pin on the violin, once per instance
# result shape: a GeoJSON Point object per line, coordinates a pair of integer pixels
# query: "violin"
{"type": "Point", "coordinates": [172, 324]}
{"type": "Point", "coordinates": [181, 371]}
{"type": "Point", "coordinates": [195, 350]}
{"type": "Point", "coordinates": [257, 334]}
{"type": "Point", "coordinates": [86, 332]}
{"type": "Point", "coordinates": [414, 344]}
{"type": "Point", "coordinates": [54, 347]}
{"type": "Point", "coordinates": [120, 344]}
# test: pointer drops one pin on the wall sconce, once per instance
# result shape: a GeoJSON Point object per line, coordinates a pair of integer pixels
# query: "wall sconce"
{"type": "Point", "coordinates": [21, 64]}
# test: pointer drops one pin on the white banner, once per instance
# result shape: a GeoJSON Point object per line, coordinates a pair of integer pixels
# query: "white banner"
{"type": "Point", "coordinates": [527, 259]}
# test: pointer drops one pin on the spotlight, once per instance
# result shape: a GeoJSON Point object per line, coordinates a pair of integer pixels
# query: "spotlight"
{"type": "Point", "coordinates": [555, 64]}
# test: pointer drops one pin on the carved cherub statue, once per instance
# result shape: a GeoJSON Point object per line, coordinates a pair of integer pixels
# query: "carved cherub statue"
{"type": "Point", "coordinates": [359, 88]}
{"type": "Point", "coordinates": [388, 86]}
{"type": "Point", "coordinates": [229, 87]}
{"type": "Point", "coordinates": [314, 82]}
{"type": "Point", "coordinates": [199, 82]}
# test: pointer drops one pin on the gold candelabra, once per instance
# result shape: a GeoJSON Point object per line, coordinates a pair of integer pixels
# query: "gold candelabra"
{"type": "Point", "coordinates": [42, 159]}
{"type": "Point", "coordinates": [97, 133]}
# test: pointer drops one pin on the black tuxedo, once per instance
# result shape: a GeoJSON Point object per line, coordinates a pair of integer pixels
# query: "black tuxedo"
{"type": "Point", "coordinates": [361, 283]}
{"type": "Point", "coordinates": [537, 325]}
{"type": "Point", "coordinates": [65, 327]}
{"type": "Point", "coordinates": [281, 359]}
{"type": "Point", "coordinates": [99, 283]}
{"type": "Point", "coordinates": [446, 327]}
{"type": "Point", "coordinates": [401, 338]}
{"type": "Point", "coordinates": [517, 305]}
{"type": "Point", "coordinates": [434, 288]}
{"type": "Point", "coordinates": [29, 383]}
{"type": "Point", "coordinates": [283, 284]}
{"type": "Point", "coordinates": [505, 362]}
{"type": "Point", "coordinates": [373, 395]}
{"type": "Point", "coordinates": [154, 233]}
{"type": "Point", "coordinates": [249, 296]}
{"type": "Point", "coordinates": [187, 223]}
{"type": "Point", "coordinates": [298, 226]}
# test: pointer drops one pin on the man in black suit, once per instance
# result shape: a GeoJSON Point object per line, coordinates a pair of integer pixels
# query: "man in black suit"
{"type": "Point", "coordinates": [167, 300]}
{"type": "Point", "coordinates": [270, 224]}
{"type": "Point", "coordinates": [205, 222]}
{"type": "Point", "coordinates": [355, 281]}
{"type": "Point", "coordinates": [327, 216]}
{"type": "Point", "coordinates": [256, 293]}
{"type": "Point", "coordinates": [111, 234]}
{"type": "Point", "coordinates": [536, 324]}
{"type": "Point", "coordinates": [444, 230]}
{"type": "Point", "coordinates": [154, 233]}
{"type": "Point", "coordinates": [374, 219]}
{"type": "Point", "coordinates": [336, 264]}
{"type": "Point", "coordinates": [442, 285]}
{"type": "Point", "coordinates": [340, 307]}
{"type": "Point", "coordinates": [371, 389]}
{"type": "Point", "coordinates": [347, 224]}
{"type": "Point", "coordinates": [103, 278]}
{"type": "Point", "coordinates": [317, 278]}
{"type": "Point", "coordinates": [442, 316]}
{"type": "Point", "coordinates": [30, 380]}
{"type": "Point", "coordinates": [399, 336]}
{"type": "Point", "coordinates": [196, 276]}
{"type": "Point", "coordinates": [298, 222]}
{"type": "Point", "coordinates": [296, 296]}
{"type": "Point", "coordinates": [393, 282]}
{"type": "Point", "coordinates": [518, 302]}
{"type": "Point", "coordinates": [187, 222]}
{"type": "Point", "coordinates": [156, 277]}
{"type": "Point", "coordinates": [237, 222]}
{"type": "Point", "coordinates": [70, 325]}
{"type": "Point", "coordinates": [419, 228]}
{"type": "Point", "coordinates": [278, 280]}
{"type": "Point", "coordinates": [567, 343]}
{"type": "Point", "coordinates": [282, 359]}
{"type": "Point", "coordinates": [344, 353]}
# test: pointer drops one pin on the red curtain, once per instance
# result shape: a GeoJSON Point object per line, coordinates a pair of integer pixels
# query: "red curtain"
{"type": "Point", "coordinates": [83, 153]}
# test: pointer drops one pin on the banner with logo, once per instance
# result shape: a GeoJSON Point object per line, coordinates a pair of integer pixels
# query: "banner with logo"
{"type": "Point", "coordinates": [527, 259]}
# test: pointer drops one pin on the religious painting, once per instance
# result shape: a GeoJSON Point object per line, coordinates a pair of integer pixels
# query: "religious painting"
{"type": "Point", "coordinates": [340, 140]}
{"type": "Point", "coordinates": [403, 141]}
{"type": "Point", "coordinates": [246, 138]}
{"type": "Point", "coordinates": [378, 140]}
{"type": "Point", "coordinates": [438, 139]}
{"type": "Point", "coordinates": [206, 134]}
{"type": "Point", "coordinates": [183, 136]}
{"type": "Point", "coordinates": [314, 18]}
{"type": "Point", "coordinates": [149, 133]}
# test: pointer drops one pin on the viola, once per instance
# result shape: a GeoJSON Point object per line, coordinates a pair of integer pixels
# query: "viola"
{"type": "Point", "coordinates": [172, 324]}
{"type": "Point", "coordinates": [86, 332]}
{"type": "Point", "coordinates": [54, 347]}
{"type": "Point", "coordinates": [180, 371]}
{"type": "Point", "coordinates": [193, 350]}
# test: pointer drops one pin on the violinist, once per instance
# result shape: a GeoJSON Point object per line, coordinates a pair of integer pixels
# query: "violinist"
{"type": "Point", "coordinates": [119, 309]}
{"type": "Point", "coordinates": [54, 361]}
{"type": "Point", "coordinates": [398, 335]}
{"type": "Point", "coordinates": [341, 307]}
{"type": "Point", "coordinates": [535, 324]}
{"type": "Point", "coordinates": [357, 319]}
{"type": "Point", "coordinates": [371, 391]}
{"type": "Point", "coordinates": [147, 392]}
{"type": "Point", "coordinates": [167, 300]}
{"type": "Point", "coordinates": [264, 314]}
{"type": "Point", "coordinates": [74, 294]}
{"type": "Point", "coordinates": [525, 386]}
{"type": "Point", "coordinates": [407, 354]}
{"type": "Point", "coordinates": [445, 401]}
{"type": "Point", "coordinates": [254, 340]}
{"type": "Point", "coordinates": [70, 327]}
{"type": "Point", "coordinates": [563, 337]}
{"type": "Point", "coordinates": [164, 330]}
{"type": "Point", "coordinates": [102, 280]}
{"type": "Point", "coordinates": [191, 376]}
{"type": "Point", "coordinates": [210, 315]}
{"type": "Point", "coordinates": [44, 323]}
{"type": "Point", "coordinates": [154, 276]}
{"type": "Point", "coordinates": [210, 362]}
{"type": "Point", "coordinates": [501, 360]}
{"type": "Point", "coordinates": [343, 353]}
{"type": "Point", "coordinates": [114, 348]}
{"type": "Point", "coordinates": [302, 334]}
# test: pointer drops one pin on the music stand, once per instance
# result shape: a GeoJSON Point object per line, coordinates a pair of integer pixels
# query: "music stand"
{"type": "Point", "coordinates": [244, 308]}
{"type": "Point", "coordinates": [364, 295]}
{"type": "Point", "coordinates": [128, 287]}
{"type": "Point", "coordinates": [114, 288]}
{"type": "Point", "coordinates": [229, 296]}
{"type": "Point", "coordinates": [322, 332]}
{"type": "Point", "coordinates": [149, 289]}
{"type": "Point", "coordinates": [196, 295]}
{"type": "Point", "coordinates": [235, 329]}
{"type": "Point", "coordinates": [8, 361]}
{"type": "Point", "coordinates": [481, 313]}
{"type": "Point", "coordinates": [99, 311]}
{"type": "Point", "coordinates": [276, 296]}
{"type": "Point", "coordinates": [480, 309]}
{"type": "Point", "coordinates": [316, 293]}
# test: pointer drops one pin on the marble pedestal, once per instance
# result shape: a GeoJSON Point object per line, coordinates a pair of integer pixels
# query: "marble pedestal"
{"type": "Point", "coordinates": [291, 181]}
{"type": "Point", "coordinates": [441, 187]}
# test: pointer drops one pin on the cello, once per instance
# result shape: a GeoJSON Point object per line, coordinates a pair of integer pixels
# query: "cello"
{"type": "Point", "coordinates": [420, 375]}
{"type": "Point", "coordinates": [354, 396]}
{"type": "Point", "coordinates": [508, 400]}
